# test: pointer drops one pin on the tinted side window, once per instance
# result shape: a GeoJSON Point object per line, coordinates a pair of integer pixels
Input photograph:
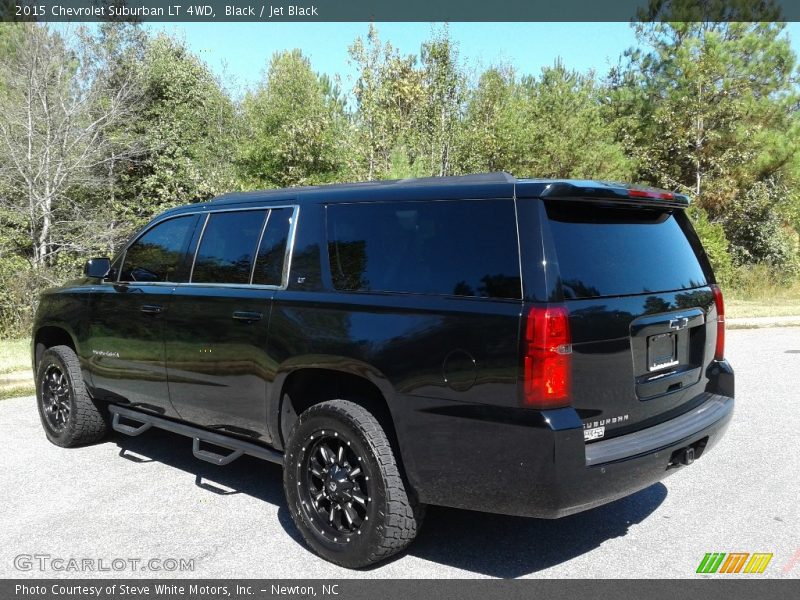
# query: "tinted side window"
{"type": "Point", "coordinates": [227, 247]}
{"type": "Point", "coordinates": [157, 255]}
{"type": "Point", "coordinates": [459, 247]}
{"type": "Point", "coordinates": [611, 251]}
{"type": "Point", "coordinates": [271, 253]}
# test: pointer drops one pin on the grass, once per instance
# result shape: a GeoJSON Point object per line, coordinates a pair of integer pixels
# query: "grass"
{"type": "Point", "coordinates": [18, 391]}
{"type": "Point", "coordinates": [759, 293]}
{"type": "Point", "coordinates": [15, 355]}
{"type": "Point", "coordinates": [739, 308]}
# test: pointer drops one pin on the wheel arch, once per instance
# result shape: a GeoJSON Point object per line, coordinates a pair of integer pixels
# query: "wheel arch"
{"type": "Point", "coordinates": [49, 335]}
{"type": "Point", "coordinates": [304, 385]}
{"type": "Point", "coordinates": [307, 383]}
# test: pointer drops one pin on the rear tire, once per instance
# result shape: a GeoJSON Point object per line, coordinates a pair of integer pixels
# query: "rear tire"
{"type": "Point", "coordinates": [69, 415]}
{"type": "Point", "coordinates": [344, 489]}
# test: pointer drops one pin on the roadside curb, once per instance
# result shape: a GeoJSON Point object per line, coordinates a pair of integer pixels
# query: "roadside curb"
{"type": "Point", "coordinates": [16, 377]}
{"type": "Point", "coordinates": [762, 322]}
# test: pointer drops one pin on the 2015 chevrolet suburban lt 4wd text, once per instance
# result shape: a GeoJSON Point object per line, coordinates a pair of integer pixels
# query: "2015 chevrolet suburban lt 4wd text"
{"type": "Point", "coordinates": [528, 347]}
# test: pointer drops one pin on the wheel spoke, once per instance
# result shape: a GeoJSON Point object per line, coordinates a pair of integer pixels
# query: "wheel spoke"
{"type": "Point", "coordinates": [351, 515]}
{"type": "Point", "coordinates": [327, 455]}
{"type": "Point", "coordinates": [355, 472]}
{"type": "Point", "coordinates": [359, 497]}
{"type": "Point", "coordinates": [334, 508]}
{"type": "Point", "coordinates": [340, 455]}
{"type": "Point", "coordinates": [316, 472]}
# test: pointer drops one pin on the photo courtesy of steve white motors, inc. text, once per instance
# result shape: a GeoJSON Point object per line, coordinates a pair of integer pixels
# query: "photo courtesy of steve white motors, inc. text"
{"type": "Point", "coordinates": [173, 589]}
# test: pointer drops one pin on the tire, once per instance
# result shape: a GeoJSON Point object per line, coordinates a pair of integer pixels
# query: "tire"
{"type": "Point", "coordinates": [68, 414]}
{"type": "Point", "coordinates": [376, 518]}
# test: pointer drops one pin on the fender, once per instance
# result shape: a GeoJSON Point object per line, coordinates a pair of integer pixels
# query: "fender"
{"type": "Point", "coordinates": [66, 310]}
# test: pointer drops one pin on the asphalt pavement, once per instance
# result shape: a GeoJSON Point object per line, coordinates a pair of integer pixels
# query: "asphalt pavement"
{"type": "Point", "coordinates": [143, 498]}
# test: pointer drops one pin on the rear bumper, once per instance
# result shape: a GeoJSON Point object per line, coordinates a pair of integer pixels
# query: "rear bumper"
{"type": "Point", "coordinates": [539, 466]}
{"type": "Point", "coordinates": [621, 466]}
{"type": "Point", "coordinates": [714, 411]}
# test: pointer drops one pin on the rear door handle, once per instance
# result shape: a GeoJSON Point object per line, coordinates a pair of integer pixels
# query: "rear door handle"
{"type": "Point", "coordinates": [151, 309]}
{"type": "Point", "coordinates": [246, 316]}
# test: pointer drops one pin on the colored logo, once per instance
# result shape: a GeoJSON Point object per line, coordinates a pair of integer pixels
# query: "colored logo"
{"type": "Point", "coordinates": [793, 562]}
{"type": "Point", "coordinates": [734, 562]}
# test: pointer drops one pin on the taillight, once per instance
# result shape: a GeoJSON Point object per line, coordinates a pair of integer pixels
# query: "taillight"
{"type": "Point", "coordinates": [656, 194]}
{"type": "Point", "coordinates": [547, 358]}
{"type": "Point", "coordinates": [719, 351]}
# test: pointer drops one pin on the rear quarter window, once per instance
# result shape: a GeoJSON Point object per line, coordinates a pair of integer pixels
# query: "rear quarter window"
{"type": "Point", "coordinates": [453, 247]}
{"type": "Point", "coordinates": [616, 250]}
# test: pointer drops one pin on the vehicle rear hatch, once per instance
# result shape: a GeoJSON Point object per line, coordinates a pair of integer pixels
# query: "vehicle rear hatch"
{"type": "Point", "coordinates": [637, 286]}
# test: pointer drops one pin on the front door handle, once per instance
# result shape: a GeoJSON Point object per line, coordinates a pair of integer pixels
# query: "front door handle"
{"type": "Point", "coordinates": [151, 309]}
{"type": "Point", "coordinates": [246, 316]}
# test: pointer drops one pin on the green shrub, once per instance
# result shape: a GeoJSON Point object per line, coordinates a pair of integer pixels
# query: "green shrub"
{"type": "Point", "coordinates": [715, 242]}
{"type": "Point", "coordinates": [20, 286]}
{"type": "Point", "coordinates": [757, 232]}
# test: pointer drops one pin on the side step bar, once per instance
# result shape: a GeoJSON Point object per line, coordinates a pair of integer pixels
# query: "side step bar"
{"type": "Point", "coordinates": [236, 446]}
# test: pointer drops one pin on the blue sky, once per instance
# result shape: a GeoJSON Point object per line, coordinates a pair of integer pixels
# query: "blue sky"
{"type": "Point", "coordinates": [243, 49]}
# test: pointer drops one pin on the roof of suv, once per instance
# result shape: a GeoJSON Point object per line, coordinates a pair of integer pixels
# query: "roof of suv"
{"type": "Point", "coordinates": [482, 180]}
{"type": "Point", "coordinates": [484, 185]}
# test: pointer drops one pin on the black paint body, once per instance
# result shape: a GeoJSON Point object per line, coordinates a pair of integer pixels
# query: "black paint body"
{"type": "Point", "coordinates": [447, 367]}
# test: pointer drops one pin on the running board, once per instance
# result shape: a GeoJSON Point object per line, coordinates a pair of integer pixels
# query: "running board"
{"type": "Point", "coordinates": [236, 447]}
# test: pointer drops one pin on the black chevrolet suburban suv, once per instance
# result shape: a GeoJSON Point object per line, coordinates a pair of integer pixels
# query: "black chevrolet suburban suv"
{"type": "Point", "coordinates": [520, 346]}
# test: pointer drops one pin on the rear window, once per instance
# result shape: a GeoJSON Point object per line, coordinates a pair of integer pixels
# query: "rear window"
{"type": "Point", "coordinates": [615, 251]}
{"type": "Point", "coordinates": [453, 247]}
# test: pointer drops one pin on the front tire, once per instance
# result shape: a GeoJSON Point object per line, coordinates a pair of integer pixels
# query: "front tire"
{"type": "Point", "coordinates": [68, 414]}
{"type": "Point", "coordinates": [343, 486]}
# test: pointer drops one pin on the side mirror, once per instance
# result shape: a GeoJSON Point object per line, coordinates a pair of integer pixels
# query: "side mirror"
{"type": "Point", "coordinates": [97, 267]}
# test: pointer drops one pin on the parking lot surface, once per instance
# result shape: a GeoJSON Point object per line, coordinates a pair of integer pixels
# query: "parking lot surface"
{"type": "Point", "coordinates": [147, 498]}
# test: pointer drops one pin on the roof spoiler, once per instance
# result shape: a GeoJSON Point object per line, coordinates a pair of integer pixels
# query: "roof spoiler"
{"type": "Point", "coordinates": [601, 191]}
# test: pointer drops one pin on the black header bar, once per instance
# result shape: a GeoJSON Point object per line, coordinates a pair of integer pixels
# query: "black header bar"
{"type": "Point", "coordinates": [270, 11]}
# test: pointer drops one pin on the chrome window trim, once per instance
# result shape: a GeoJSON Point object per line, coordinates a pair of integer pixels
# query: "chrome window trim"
{"type": "Point", "coordinates": [258, 247]}
{"type": "Point", "coordinates": [289, 252]}
{"type": "Point", "coordinates": [199, 241]}
{"type": "Point", "coordinates": [287, 256]}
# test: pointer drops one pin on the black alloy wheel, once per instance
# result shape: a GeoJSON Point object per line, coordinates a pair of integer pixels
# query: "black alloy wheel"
{"type": "Point", "coordinates": [69, 415]}
{"type": "Point", "coordinates": [344, 488]}
{"type": "Point", "coordinates": [335, 486]}
{"type": "Point", "coordinates": [56, 398]}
